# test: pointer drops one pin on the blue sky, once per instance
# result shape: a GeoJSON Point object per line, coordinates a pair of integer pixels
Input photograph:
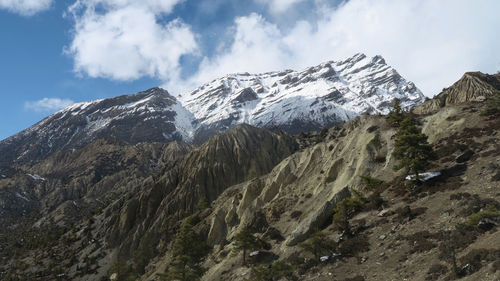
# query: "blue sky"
{"type": "Point", "coordinates": [55, 52]}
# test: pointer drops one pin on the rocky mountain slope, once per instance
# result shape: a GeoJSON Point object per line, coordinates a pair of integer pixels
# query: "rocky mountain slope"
{"type": "Point", "coordinates": [473, 86]}
{"type": "Point", "coordinates": [111, 209]}
{"type": "Point", "coordinates": [313, 98]}
{"type": "Point", "coordinates": [298, 197]}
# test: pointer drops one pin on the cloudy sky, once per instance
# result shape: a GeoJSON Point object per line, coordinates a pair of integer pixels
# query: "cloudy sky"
{"type": "Point", "coordinates": [56, 52]}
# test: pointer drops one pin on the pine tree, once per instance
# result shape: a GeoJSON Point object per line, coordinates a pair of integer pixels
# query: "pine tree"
{"type": "Point", "coordinates": [345, 209]}
{"type": "Point", "coordinates": [244, 241]}
{"type": "Point", "coordinates": [188, 252]}
{"type": "Point", "coordinates": [412, 149]}
{"type": "Point", "coordinates": [318, 244]}
{"type": "Point", "coordinates": [396, 115]}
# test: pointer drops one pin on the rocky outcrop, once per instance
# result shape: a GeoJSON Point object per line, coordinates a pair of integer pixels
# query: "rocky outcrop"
{"type": "Point", "coordinates": [309, 183]}
{"type": "Point", "coordinates": [236, 156]}
{"type": "Point", "coordinates": [317, 220]}
{"type": "Point", "coordinates": [472, 87]}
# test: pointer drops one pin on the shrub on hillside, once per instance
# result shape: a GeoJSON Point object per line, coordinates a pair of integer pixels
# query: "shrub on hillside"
{"type": "Point", "coordinates": [351, 247]}
{"type": "Point", "coordinates": [276, 271]}
{"type": "Point", "coordinates": [490, 212]}
{"type": "Point", "coordinates": [345, 209]}
{"type": "Point", "coordinates": [492, 105]}
{"type": "Point", "coordinates": [318, 244]}
{"type": "Point", "coordinates": [371, 183]}
{"type": "Point", "coordinates": [420, 242]}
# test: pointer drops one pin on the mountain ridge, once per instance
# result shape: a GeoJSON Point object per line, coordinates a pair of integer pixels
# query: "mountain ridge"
{"type": "Point", "coordinates": [151, 115]}
{"type": "Point", "coordinates": [294, 101]}
{"type": "Point", "coordinates": [313, 98]}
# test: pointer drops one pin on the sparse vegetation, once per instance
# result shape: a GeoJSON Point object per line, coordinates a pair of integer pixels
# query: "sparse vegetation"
{"type": "Point", "coordinates": [452, 243]}
{"type": "Point", "coordinates": [122, 271]}
{"type": "Point", "coordinates": [407, 213]}
{"type": "Point", "coordinates": [345, 209]}
{"type": "Point", "coordinates": [492, 105]}
{"type": "Point", "coordinates": [371, 183]}
{"type": "Point", "coordinates": [421, 242]}
{"type": "Point", "coordinates": [351, 247]}
{"type": "Point", "coordinates": [188, 251]}
{"type": "Point", "coordinates": [318, 244]}
{"type": "Point", "coordinates": [490, 212]}
{"type": "Point", "coordinates": [276, 271]}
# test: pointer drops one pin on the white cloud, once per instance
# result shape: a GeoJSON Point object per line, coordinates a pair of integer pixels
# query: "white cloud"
{"type": "Point", "coordinates": [25, 7]}
{"type": "Point", "coordinates": [431, 43]}
{"type": "Point", "coordinates": [256, 48]}
{"type": "Point", "coordinates": [279, 6]}
{"type": "Point", "coordinates": [47, 104]}
{"type": "Point", "coordinates": [124, 40]}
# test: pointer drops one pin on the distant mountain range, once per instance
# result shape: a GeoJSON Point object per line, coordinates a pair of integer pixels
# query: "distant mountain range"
{"type": "Point", "coordinates": [293, 101]}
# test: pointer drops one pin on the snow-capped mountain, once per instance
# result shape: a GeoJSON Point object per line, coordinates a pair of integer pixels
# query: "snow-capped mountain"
{"type": "Point", "coordinates": [294, 101]}
{"type": "Point", "coordinates": [152, 115]}
{"type": "Point", "coordinates": [314, 98]}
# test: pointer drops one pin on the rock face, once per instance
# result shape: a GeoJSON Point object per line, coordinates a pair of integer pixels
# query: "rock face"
{"type": "Point", "coordinates": [153, 115]}
{"type": "Point", "coordinates": [296, 101]}
{"type": "Point", "coordinates": [240, 154]}
{"type": "Point", "coordinates": [237, 155]}
{"type": "Point", "coordinates": [472, 87]}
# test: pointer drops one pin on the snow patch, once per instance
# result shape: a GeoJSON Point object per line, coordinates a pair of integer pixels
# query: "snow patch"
{"type": "Point", "coordinates": [18, 195]}
{"type": "Point", "coordinates": [36, 177]}
{"type": "Point", "coordinates": [424, 176]}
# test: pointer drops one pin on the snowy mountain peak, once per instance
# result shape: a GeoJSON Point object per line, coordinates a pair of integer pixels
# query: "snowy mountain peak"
{"type": "Point", "coordinates": [294, 101]}
{"type": "Point", "coordinates": [151, 115]}
{"type": "Point", "coordinates": [313, 98]}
